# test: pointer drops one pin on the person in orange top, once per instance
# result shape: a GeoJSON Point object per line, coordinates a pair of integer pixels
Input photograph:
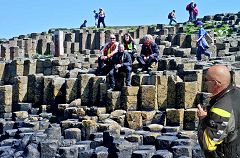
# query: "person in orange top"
{"type": "Point", "coordinates": [106, 53]}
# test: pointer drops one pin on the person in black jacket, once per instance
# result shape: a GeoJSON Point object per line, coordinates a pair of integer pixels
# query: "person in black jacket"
{"type": "Point", "coordinates": [219, 126]}
{"type": "Point", "coordinates": [190, 8]}
{"type": "Point", "coordinates": [149, 53]}
{"type": "Point", "coordinates": [121, 61]}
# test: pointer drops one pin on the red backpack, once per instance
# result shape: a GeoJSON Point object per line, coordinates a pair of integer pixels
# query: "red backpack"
{"type": "Point", "coordinates": [188, 7]}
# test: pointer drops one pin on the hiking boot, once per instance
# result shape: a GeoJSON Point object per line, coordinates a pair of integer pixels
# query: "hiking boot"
{"type": "Point", "coordinates": [112, 88]}
{"type": "Point", "coordinates": [128, 85]}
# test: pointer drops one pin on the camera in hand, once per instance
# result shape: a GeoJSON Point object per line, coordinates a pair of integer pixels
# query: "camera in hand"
{"type": "Point", "coordinates": [203, 98]}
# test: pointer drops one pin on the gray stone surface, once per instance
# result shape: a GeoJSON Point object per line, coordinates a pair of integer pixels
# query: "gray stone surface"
{"type": "Point", "coordinates": [58, 107]}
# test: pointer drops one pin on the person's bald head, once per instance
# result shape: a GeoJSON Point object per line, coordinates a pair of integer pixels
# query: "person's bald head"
{"type": "Point", "coordinates": [218, 78]}
{"type": "Point", "coordinates": [220, 73]}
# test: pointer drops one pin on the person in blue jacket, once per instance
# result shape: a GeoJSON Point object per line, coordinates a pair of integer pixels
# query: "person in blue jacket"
{"type": "Point", "coordinates": [121, 62]}
{"type": "Point", "coordinates": [149, 53]}
{"type": "Point", "coordinates": [202, 42]}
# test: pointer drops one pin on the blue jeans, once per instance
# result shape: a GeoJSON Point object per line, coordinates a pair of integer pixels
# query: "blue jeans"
{"type": "Point", "coordinates": [114, 71]}
{"type": "Point", "coordinates": [201, 51]}
{"type": "Point", "coordinates": [103, 63]}
{"type": "Point", "coordinates": [191, 18]}
{"type": "Point", "coordinates": [172, 20]}
{"type": "Point", "coordinates": [146, 64]}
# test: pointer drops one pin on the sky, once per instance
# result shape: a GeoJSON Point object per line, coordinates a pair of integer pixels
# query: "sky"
{"type": "Point", "coordinates": [20, 17]}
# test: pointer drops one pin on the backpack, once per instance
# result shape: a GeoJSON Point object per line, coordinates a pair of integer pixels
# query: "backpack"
{"type": "Point", "coordinates": [170, 15]}
{"type": "Point", "coordinates": [188, 7]}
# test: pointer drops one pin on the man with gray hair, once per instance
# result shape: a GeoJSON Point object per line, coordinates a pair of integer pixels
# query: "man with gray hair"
{"type": "Point", "coordinates": [149, 53]}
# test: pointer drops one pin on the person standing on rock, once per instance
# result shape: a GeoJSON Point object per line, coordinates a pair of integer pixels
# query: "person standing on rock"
{"type": "Point", "coordinates": [195, 12]}
{"type": "Point", "coordinates": [101, 18]}
{"type": "Point", "coordinates": [122, 62]}
{"type": "Point", "coordinates": [96, 16]}
{"type": "Point", "coordinates": [189, 8]}
{"type": "Point", "coordinates": [172, 17]}
{"type": "Point", "coordinates": [106, 53]}
{"type": "Point", "coordinates": [219, 124]}
{"type": "Point", "coordinates": [202, 42]}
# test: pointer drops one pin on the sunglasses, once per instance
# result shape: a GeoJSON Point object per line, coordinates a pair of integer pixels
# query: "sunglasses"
{"type": "Point", "coordinates": [212, 80]}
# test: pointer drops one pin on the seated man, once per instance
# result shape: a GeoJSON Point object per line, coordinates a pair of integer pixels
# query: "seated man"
{"type": "Point", "coordinates": [84, 24]}
{"type": "Point", "coordinates": [130, 45]}
{"type": "Point", "coordinates": [106, 53]}
{"type": "Point", "coordinates": [149, 53]}
{"type": "Point", "coordinates": [122, 62]}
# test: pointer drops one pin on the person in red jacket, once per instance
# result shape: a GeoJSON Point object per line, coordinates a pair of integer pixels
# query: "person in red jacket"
{"type": "Point", "coordinates": [195, 12]}
{"type": "Point", "coordinates": [106, 53]}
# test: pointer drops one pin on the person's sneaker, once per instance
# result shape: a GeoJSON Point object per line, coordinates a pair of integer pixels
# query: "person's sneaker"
{"type": "Point", "coordinates": [138, 71]}
{"type": "Point", "coordinates": [128, 85]}
{"type": "Point", "coordinates": [144, 69]}
{"type": "Point", "coordinates": [149, 70]}
{"type": "Point", "coordinates": [110, 89]}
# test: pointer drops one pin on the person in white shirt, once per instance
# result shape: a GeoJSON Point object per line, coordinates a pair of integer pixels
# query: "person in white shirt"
{"type": "Point", "coordinates": [101, 18]}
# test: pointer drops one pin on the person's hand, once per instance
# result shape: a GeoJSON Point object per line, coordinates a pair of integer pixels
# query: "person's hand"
{"type": "Point", "coordinates": [212, 41]}
{"type": "Point", "coordinates": [103, 57]}
{"type": "Point", "coordinates": [201, 113]}
{"type": "Point", "coordinates": [146, 58]}
{"type": "Point", "coordinates": [118, 66]}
